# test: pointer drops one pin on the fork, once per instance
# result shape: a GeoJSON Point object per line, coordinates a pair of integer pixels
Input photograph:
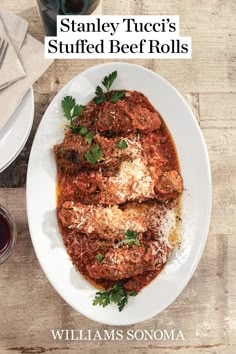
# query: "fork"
{"type": "Point", "coordinates": [3, 50]}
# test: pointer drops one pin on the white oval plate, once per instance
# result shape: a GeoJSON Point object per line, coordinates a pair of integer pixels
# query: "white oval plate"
{"type": "Point", "coordinates": [41, 196]}
{"type": "Point", "coordinates": [15, 133]}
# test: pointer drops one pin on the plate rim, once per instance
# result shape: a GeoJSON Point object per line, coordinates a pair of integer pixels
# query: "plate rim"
{"type": "Point", "coordinates": [208, 210]}
{"type": "Point", "coordinates": [26, 136]}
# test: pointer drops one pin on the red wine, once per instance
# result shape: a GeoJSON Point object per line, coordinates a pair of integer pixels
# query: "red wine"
{"type": "Point", "coordinates": [74, 6]}
{"type": "Point", "coordinates": [5, 233]}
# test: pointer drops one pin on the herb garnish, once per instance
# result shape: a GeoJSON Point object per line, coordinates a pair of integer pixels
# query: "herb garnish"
{"type": "Point", "coordinates": [94, 155]}
{"type": "Point", "coordinates": [107, 83]}
{"type": "Point", "coordinates": [100, 95]}
{"type": "Point", "coordinates": [131, 237]}
{"type": "Point", "coordinates": [83, 131]}
{"type": "Point", "coordinates": [117, 294]}
{"type": "Point", "coordinates": [78, 130]}
{"type": "Point", "coordinates": [88, 138]}
{"type": "Point", "coordinates": [108, 80]}
{"type": "Point", "coordinates": [99, 257]}
{"type": "Point", "coordinates": [117, 96]}
{"type": "Point", "coordinates": [122, 144]}
{"type": "Point", "coordinates": [71, 109]}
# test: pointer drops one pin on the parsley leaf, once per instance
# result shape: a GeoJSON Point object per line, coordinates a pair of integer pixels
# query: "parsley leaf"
{"type": "Point", "coordinates": [100, 95]}
{"type": "Point", "coordinates": [89, 157]}
{"type": "Point", "coordinates": [94, 155]}
{"type": "Point", "coordinates": [78, 110]}
{"type": "Point", "coordinates": [117, 294]}
{"type": "Point", "coordinates": [122, 144]}
{"type": "Point", "coordinates": [133, 293]}
{"type": "Point", "coordinates": [102, 299]}
{"type": "Point", "coordinates": [117, 96]}
{"type": "Point", "coordinates": [74, 129]}
{"type": "Point", "coordinates": [99, 257]}
{"type": "Point", "coordinates": [108, 80]}
{"type": "Point", "coordinates": [70, 108]}
{"type": "Point", "coordinates": [122, 303]}
{"type": "Point", "coordinates": [97, 152]}
{"type": "Point", "coordinates": [107, 83]}
{"type": "Point", "coordinates": [68, 104]}
{"type": "Point", "coordinates": [99, 100]}
{"type": "Point", "coordinates": [78, 130]}
{"type": "Point", "coordinates": [83, 131]}
{"type": "Point", "coordinates": [88, 138]}
{"type": "Point", "coordinates": [131, 237]}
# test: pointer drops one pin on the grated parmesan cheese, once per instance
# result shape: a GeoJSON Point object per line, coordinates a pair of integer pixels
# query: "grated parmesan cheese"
{"type": "Point", "coordinates": [133, 180]}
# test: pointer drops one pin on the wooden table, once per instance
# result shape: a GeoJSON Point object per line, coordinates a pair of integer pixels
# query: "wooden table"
{"type": "Point", "coordinates": [206, 310]}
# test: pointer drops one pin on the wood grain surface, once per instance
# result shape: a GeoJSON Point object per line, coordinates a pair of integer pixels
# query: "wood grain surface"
{"type": "Point", "coordinates": [206, 310]}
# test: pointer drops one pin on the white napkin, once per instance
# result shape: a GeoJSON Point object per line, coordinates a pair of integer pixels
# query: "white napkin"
{"type": "Point", "coordinates": [24, 63]}
{"type": "Point", "coordinates": [12, 69]}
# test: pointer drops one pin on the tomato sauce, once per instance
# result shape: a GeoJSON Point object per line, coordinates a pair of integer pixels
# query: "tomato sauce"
{"type": "Point", "coordinates": [88, 187]}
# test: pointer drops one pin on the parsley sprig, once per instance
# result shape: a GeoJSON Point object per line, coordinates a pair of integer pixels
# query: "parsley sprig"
{"type": "Point", "coordinates": [107, 83]}
{"type": "Point", "coordinates": [117, 96]}
{"type": "Point", "coordinates": [122, 144]}
{"type": "Point", "coordinates": [117, 295]}
{"type": "Point", "coordinates": [94, 155]}
{"type": "Point", "coordinates": [89, 137]}
{"type": "Point", "coordinates": [108, 80]}
{"type": "Point", "coordinates": [99, 257]}
{"type": "Point", "coordinates": [131, 237]}
{"type": "Point", "coordinates": [78, 130]}
{"type": "Point", "coordinates": [100, 95]}
{"type": "Point", "coordinates": [71, 111]}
